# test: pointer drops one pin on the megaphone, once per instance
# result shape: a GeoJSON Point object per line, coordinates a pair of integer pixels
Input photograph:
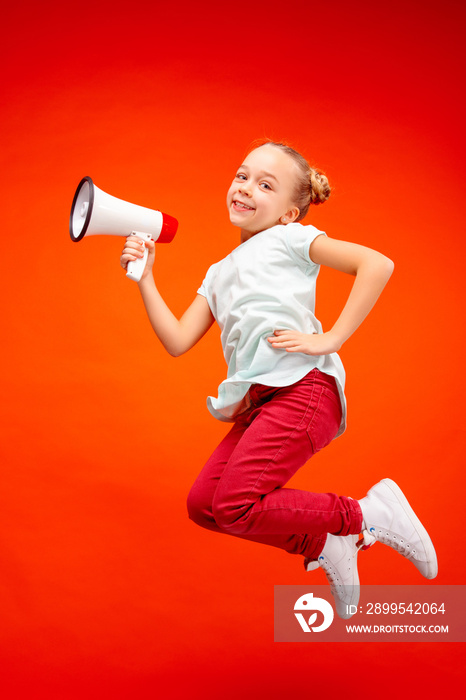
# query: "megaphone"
{"type": "Point", "coordinates": [95, 213]}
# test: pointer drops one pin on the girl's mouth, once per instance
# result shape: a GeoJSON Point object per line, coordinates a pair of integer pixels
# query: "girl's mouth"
{"type": "Point", "coordinates": [240, 206]}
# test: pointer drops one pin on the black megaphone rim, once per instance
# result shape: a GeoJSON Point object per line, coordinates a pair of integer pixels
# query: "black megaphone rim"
{"type": "Point", "coordinates": [89, 210]}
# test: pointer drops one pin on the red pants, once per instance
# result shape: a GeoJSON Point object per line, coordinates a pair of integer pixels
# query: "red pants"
{"type": "Point", "coordinates": [240, 489]}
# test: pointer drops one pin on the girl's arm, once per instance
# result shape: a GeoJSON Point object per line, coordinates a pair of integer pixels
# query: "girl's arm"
{"type": "Point", "coordinates": [177, 336]}
{"type": "Point", "coordinates": [371, 269]}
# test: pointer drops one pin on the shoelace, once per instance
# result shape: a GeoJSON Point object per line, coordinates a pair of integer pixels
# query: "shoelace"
{"type": "Point", "coordinates": [331, 575]}
{"type": "Point", "coordinates": [372, 536]}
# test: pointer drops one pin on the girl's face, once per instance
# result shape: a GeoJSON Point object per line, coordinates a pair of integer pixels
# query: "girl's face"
{"type": "Point", "coordinates": [261, 195]}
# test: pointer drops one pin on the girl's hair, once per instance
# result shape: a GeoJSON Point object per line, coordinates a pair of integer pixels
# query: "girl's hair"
{"type": "Point", "coordinates": [312, 186]}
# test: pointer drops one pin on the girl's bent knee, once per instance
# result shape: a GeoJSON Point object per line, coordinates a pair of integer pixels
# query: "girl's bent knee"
{"type": "Point", "coordinates": [229, 519]}
{"type": "Point", "coordinates": [198, 511]}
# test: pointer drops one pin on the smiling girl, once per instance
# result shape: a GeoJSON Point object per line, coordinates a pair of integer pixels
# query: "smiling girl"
{"type": "Point", "coordinates": [284, 390]}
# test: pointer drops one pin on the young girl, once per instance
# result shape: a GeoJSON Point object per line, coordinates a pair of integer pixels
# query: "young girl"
{"type": "Point", "coordinates": [284, 390]}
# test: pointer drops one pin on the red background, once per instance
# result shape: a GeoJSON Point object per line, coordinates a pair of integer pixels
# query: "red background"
{"type": "Point", "coordinates": [107, 590]}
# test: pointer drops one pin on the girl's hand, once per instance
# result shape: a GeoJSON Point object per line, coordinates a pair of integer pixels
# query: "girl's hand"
{"type": "Point", "coordinates": [134, 249]}
{"type": "Point", "coordinates": [309, 344]}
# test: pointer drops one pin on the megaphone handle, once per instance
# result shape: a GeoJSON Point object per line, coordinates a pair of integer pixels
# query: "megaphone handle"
{"type": "Point", "coordinates": [135, 268]}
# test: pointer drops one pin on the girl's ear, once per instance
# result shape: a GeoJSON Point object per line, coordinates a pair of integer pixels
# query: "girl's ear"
{"type": "Point", "coordinates": [290, 216]}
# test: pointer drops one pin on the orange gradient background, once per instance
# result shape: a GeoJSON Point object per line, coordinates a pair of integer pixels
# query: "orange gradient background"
{"type": "Point", "coordinates": [107, 590]}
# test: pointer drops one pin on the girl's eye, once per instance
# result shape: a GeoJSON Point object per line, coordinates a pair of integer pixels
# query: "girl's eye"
{"type": "Point", "coordinates": [265, 186]}
{"type": "Point", "coordinates": [240, 176]}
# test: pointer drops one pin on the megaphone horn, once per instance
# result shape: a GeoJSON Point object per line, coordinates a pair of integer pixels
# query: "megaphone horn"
{"type": "Point", "coordinates": [94, 213]}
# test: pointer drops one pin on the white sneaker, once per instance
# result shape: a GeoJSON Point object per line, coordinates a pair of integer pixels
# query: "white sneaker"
{"type": "Point", "coordinates": [339, 561]}
{"type": "Point", "coordinates": [389, 518]}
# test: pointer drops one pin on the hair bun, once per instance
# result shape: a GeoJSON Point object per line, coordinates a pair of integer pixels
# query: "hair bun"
{"type": "Point", "coordinates": [320, 189]}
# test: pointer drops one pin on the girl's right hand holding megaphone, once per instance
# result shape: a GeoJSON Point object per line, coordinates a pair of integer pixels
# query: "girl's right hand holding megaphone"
{"type": "Point", "coordinates": [135, 249]}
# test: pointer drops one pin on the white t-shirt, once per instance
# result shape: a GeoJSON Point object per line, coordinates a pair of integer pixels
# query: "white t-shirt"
{"type": "Point", "coordinates": [268, 283]}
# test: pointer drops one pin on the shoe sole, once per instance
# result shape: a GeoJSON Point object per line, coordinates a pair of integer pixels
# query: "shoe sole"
{"type": "Point", "coordinates": [418, 526]}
